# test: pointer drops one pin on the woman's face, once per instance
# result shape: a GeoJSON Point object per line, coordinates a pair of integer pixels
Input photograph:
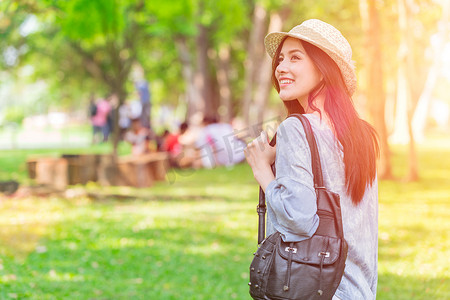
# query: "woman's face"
{"type": "Point", "coordinates": [296, 74]}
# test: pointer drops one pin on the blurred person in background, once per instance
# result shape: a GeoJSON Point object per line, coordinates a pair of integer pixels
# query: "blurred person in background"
{"type": "Point", "coordinates": [143, 90]}
{"type": "Point", "coordinates": [111, 119]}
{"type": "Point", "coordinates": [189, 156]}
{"type": "Point", "coordinates": [92, 112]}
{"type": "Point", "coordinates": [135, 107]}
{"type": "Point", "coordinates": [139, 137]}
{"type": "Point", "coordinates": [218, 145]}
{"type": "Point", "coordinates": [124, 119]}
{"type": "Point", "coordinates": [100, 120]}
{"type": "Point", "coordinates": [171, 144]}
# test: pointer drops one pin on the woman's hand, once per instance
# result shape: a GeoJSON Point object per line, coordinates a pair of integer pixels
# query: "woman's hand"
{"type": "Point", "coordinates": [260, 156]}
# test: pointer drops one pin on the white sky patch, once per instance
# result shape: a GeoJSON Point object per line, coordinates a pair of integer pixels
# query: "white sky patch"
{"type": "Point", "coordinates": [10, 55]}
{"type": "Point", "coordinates": [446, 61]}
{"type": "Point", "coordinates": [30, 25]}
{"type": "Point", "coordinates": [440, 111]}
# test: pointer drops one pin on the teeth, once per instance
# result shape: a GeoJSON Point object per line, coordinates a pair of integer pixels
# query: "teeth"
{"type": "Point", "coordinates": [286, 81]}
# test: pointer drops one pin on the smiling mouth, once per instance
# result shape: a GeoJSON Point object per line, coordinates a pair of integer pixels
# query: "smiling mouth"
{"type": "Point", "coordinates": [286, 81]}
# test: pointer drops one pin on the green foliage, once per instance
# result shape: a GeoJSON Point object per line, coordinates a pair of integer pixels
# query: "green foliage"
{"type": "Point", "coordinates": [91, 20]}
{"type": "Point", "coordinates": [193, 237]}
{"type": "Point", "coordinates": [111, 32]}
{"type": "Point", "coordinates": [82, 47]}
{"type": "Point", "coordinates": [11, 17]}
{"type": "Point", "coordinates": [227, 18]}
{"type": "Point", "coordinates": [175, 18]}
{"type": "Point", "coordinates": [141, 30]}
{"type": "Point", "coordinates": [13, 114]}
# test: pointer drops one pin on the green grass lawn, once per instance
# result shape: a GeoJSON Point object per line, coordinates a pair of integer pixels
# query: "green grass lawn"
{"type": "Point", "coordinates": [193, 237]}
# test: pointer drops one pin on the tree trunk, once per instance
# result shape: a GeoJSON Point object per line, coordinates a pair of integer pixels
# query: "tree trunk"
{"type": "Point", "coordinates": [202, 77]}
{"type": "Point", "coordinates": [400, 134]}
{"type": "Point", "coordinates": [121, 69]}
{"type": "Point", "coordinates": [225, 108]}
{"type": "Point", "coordinates": [413, 166]}
{"type": "Point", "coordinates": [263, 84]}
{"type": "Point", "coordinates": [374, 78]}
{"type": "Point", "coordinates": [259, 16]}
{"type": "Point", "coordinates": [403, 131]}
{"type": "Point", "coordinates": [422, 109]}
{"type": "Point", "coordinates": [194, 101]}
{"type": "Point", "coordinates": [117, 98]}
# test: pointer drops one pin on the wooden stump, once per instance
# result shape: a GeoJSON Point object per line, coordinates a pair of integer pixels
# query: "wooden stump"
{"type": "Point", "coordinates": [158, 165]}
{"type": "Point", "coordinates": [31, 167]}
{"type": "Point", "coordinates": [50, 171]}
{"type": "Point", "coordinates": [137, 171]}
{"type": "Point", "coordinates": [143, 170]}
{"type": "Point", "coordinates": [82, 168]}
{"type": "Point", "coordinates": [107, 170]}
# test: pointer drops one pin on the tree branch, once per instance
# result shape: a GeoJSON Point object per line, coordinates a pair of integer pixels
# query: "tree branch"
{"type": "Point", "coordinates": [92, 65]}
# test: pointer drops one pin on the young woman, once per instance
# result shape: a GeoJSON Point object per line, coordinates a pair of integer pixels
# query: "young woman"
{"type": "Point", "coordinates": [314, 75]}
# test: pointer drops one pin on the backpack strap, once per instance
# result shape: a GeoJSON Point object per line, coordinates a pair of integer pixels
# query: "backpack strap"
{"type": "Point", "coordinates": [261, 208]}
{"type": "Point", "coordinates": [316, 168]}
{"type": "Point", "coordinates": [315, 157]}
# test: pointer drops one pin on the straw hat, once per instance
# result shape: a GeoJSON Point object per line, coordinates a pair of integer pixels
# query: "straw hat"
{"type": "Point", "coordinates": [327, 38]}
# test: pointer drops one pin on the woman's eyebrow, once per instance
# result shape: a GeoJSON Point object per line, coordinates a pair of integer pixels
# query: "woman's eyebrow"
{"type": "Point", "coordinates": [293, 51]}
{"type": "Point", "coordinates": [296, 50]}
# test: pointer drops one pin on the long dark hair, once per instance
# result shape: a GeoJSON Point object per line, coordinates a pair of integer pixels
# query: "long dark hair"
{"type": "Point", "coordinates": [357, 137]}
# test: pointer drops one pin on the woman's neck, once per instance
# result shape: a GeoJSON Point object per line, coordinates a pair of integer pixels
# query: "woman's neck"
{"type": "Point", "coordinates": [319, 103]}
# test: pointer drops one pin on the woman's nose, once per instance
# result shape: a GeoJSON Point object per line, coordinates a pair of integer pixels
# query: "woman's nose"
{"type": "Point", "coordinates": [282, 67]}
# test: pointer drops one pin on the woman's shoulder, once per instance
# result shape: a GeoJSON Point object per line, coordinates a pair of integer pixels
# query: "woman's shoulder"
{"type": "Point", "coordinates": [290, 127]}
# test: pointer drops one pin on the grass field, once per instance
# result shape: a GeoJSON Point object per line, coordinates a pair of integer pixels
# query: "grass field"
{"type": "Point", "coordinates": [193, 237]}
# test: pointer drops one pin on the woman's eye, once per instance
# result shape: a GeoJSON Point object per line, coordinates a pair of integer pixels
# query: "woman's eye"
{"type": "Point", "coordinates": [279, 60]}
{"type": "Point", "coordinates": [295, 57]}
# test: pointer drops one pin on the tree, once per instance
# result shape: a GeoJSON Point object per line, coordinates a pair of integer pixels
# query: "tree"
{"type": "Point", "coordinates": [263, 79]}
{"type": "Point", "coordinates": [267, 17]}
{"type": "Point", "coordinates": [374, 80]}
{"type": "Point", "coordinates": [217, 29]}
{"type": "Point", "coordinates": [421, 112]}
{"type": "Point", "coordinates": [101, 37]}
{"type": "Point", "coordinates": [206, 35]}
{"type": "Point", "coordinates": [252, 59]}
{"type": "Point", "coordinates": [411, 70]}
{"type": "Point", "coordinates": [105, 34]}
{"type": "Point", "coordinates": [404, 92]}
